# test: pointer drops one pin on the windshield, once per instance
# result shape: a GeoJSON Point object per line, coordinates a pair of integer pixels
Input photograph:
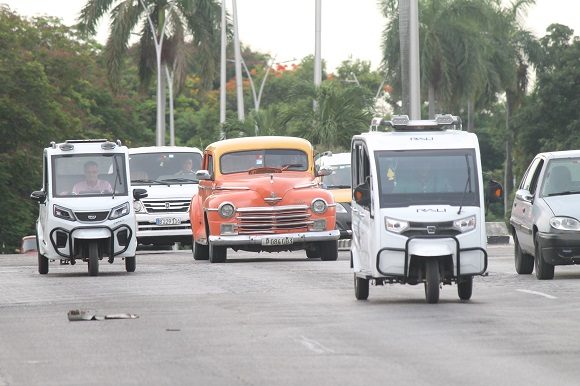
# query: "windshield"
{"type": "Point", "coordinates": [339, 179]}
{"type": "Point", "coordinates": [562, 176]}
{"type": "Point", "coordinates": [89, 175]}
{"type": "Point", "coordinates": [244, 161]}
{"type": "Point", "coordinates": [164, 168]}
{"type": "Point", "coordinates": [424, 177]}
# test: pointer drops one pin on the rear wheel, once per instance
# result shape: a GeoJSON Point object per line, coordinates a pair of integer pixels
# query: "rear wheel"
{"type": "Point", "coordinates": [217, 253]}
{"type": "Point", "coordinates": [465, 287]}
{"type": "Point", "coordinates": [328, 250]}
{"type": "Point", "coordinates": [432, 280]}
{"type": "Point", "coordinates": [93, 258]}
{"type": "Point", "coordinates": [200, 251]}
{"type": "Point", "coordinates": [544, 271]}
{"type": "Point", "coordinates": [361, 288]}
{"type": "Point", "coordinates": [524, 262]}
{"type": "Point", "coordinates": [130, 263]}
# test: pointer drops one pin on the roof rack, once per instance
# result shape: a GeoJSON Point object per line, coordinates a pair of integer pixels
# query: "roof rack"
{"type": "Point", "coordinates": [85, 140]}
{"type": "Point", "coordinates": [403, 123]}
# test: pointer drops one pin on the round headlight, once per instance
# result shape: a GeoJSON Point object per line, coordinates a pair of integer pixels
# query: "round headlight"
{"type": "Point", "coordinates": [226, 210]}
{"type": "Point", "coordinates": [138, 206]}
{"type": "Point", "coordinates": [319, 206]}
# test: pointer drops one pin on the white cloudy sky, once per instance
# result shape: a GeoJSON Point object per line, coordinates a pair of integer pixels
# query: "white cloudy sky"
{"type": "Point", "coordinates": [350, 28]}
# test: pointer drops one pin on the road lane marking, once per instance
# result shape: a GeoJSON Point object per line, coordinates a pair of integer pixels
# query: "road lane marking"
{"type": "Point", "coordinates": [537, 293]}
{"type": "Point", "coordinates": [315, 346]}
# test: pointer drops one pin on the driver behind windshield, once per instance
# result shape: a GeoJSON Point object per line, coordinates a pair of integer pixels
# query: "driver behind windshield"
{"type": "Point", "coordinates": [92, 183]}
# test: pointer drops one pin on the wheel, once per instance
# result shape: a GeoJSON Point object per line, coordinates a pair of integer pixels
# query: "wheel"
{"type": "Point", "coordinates": [524, 262]}
{"type": "Point", "coordinates": [42, 264]}
{"type": "Point", "coordinates": [200, 251]}
{"type": "Point", "coordinates": [544, 271]}
{"type": "Point", "coordinates": [312, 253]}
{"type": "Point", "coordinates": [432, 280]}
{"type": "Point", "coordinates": [93, 258]}
{"type": "Point", "coordinates": [465, 287]}
{"type": "Point", "coordinates": [361, 288]}
{"type": "Point", "coordinates": [130, 263]}
{"type": "Point", "coordinates": [328, 250]}
{"type": "Point", "coordinates": [217, 253]}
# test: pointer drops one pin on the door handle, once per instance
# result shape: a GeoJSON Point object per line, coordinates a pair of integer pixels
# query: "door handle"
{"type": "Point", "coordinates": [354, 210]}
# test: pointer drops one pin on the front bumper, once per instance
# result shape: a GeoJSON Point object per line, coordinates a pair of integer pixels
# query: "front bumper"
{"type": "Point", "coordinates": [560, 248]}
{"type": "Point", "coordinates": [301, 237]}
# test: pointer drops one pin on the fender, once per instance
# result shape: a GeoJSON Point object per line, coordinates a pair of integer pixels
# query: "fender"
{"type": "Point", "coordinates": [196, 217]}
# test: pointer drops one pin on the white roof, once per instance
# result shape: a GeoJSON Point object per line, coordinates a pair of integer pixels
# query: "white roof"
{"type": "Point", "coordinates": [561, 154]}
{"type": "Point", "coordinates": [419, 140]}
{"type": "Point", "coordinates": [164, 149]}
{"type": "Point", "coordinates": [84, 147]}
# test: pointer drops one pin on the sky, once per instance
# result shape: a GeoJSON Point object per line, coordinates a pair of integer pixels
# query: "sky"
{"type": "Point", "coordinates": [285, 29]}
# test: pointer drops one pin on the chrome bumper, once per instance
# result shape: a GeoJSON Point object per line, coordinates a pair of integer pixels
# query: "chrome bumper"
{"type": "Point", "coordinates": [302, 237]}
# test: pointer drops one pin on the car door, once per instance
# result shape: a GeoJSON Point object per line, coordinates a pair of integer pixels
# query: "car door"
{"type": "Point", "coordinates": [361, 214]}
{"type": "Point", "coordinates": [522, 217]}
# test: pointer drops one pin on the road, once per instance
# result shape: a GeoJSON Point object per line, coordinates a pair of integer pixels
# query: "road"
{"type": "Point", "coordinates": [281, 320]}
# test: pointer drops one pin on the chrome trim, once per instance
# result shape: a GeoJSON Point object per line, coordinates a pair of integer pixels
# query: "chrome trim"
{"type": "Point", "coordinates": [300, 237]}
{"type": "Point", "coordinates": [309, 185]}
{"type": "Point", "coordinates": [232, 188]}
{"type": "Point", "coordinates": [321, 199]}
{"type": "Point", "coordinates": [272, 209]}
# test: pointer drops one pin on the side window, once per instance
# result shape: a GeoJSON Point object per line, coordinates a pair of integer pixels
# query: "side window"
{"type": "Point", "coordinates": [210, 165]}
{"type": "Point", "coordinates": [355, 165]}
{"type": "Point", "coordinates": [535, 178]}
{"type": "Point", "coordinates": [45, 173]}
{"type": "Point", "coordinates": [529, 175]}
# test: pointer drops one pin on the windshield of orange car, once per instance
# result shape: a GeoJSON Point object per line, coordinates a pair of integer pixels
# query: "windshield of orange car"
{"type": "Point", "coordinates": [269, 159]}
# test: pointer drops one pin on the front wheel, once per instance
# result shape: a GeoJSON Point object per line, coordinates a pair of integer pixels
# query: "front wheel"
{"type": "Point", "coordinates": [524, 262]}
{"type": "Point", "coordinates": [465, 287]}
{"type": "Point", "coordinates": [328, 250]}
{"type": "Point", "coordinates": [544, 271]}
{"type": "Point", "coordinates": [361, 288]}
{"type": "Point", "coordinates": [217, 253]}
{"type": "Point", "coordinates": [432, 281]}
{"type": "Point", "coordinates": [42, 264]}
{"type": "Point", "coordinates": [130, 263]}
{"type": "Point", "coordinates": [93, 258]}
{"type": "Point", "coordinates": [200, 251]}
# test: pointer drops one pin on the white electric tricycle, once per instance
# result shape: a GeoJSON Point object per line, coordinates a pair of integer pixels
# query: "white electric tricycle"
{"type": "Point", "coordinates": [418, 212]}
{"type": "Point", "coordinates": [85, 205]}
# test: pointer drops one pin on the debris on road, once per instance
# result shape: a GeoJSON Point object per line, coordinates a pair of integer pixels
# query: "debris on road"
{"type": "Point", "coordinates": [81, 315]}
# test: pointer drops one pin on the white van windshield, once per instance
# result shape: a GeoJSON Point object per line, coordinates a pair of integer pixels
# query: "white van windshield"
{"type": "Point", "coordinates": [339, 179]}
{"type": "Point", "coordinates": [424, 177]}
{"type": "Point", "coordinates": [76, 175]}
{"type": "Point", "coordinates": [164, 168]}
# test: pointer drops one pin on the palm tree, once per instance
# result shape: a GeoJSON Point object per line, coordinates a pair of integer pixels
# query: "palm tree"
{"type": "Point", "coordinates": [163, 26]}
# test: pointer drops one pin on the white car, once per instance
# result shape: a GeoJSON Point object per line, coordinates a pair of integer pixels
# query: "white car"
{"type": "Point", "coordinates": [85, 205]}
{"type": "Point", "coordinates": [168, 174]}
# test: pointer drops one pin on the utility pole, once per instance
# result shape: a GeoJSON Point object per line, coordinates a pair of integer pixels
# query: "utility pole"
{"type": "Point", "coordinates": [317, 47]}
{"type": "Point", "coordinates": [238, 59]}
{"type": "Point", "coordinates": [414, 65]}
{"type": "Point", "coordinates": [223, 72]}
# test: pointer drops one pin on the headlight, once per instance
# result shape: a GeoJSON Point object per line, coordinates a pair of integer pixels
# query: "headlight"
{"type": "Point", "coordinates": [396, 226]}
{"type": "Point", "coordinates": [138, 206]}
{"type": "Point", "coordinates": [565, 223]}
{"type": "Point", "coordinates": [226, 210]}
{"type": "Point", "coordinates": [319, 206]}
{"type": "Point", "coordinates": [465, 224]}
{"type": "Point", "coordinates": [340, 208]}
{"type": "Point", "coordinates": [119, 211]}
{"type": "Point", "coordinates": [62, 212]}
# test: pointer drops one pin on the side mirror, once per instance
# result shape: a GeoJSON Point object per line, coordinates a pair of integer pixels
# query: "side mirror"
{"type": "Point", "coordinates": [39, 196]}
{"type": "Point", "coordinates": [323, 172]}
{"type": "Point", "coordinates": [362, 195]}
{"type": "Point", "coordinates": [524, 195]}
{"type": "Point", "coordinates": [202, 175]}
{"type": "Point", "coordinates": [494, 191]}
{"type": "Point", "coordinates": [139, 193]}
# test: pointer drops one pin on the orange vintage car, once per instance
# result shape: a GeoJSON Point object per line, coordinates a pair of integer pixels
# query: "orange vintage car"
{"type": "Point", "coordinates": [261, 194]}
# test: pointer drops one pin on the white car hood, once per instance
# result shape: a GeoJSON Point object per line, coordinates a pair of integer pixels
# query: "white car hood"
{"type": "Point", "coordinates": [176, 191]}
{"type": "Point", "coordinates": [567, 205]}
{"type": "Point", "coordinates": [429, 213]}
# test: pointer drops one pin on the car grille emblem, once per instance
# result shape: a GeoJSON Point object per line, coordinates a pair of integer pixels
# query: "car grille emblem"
{"type": "Point", "coordinates": [92, 217]}
{"type": "Point", "coordinates": [167, 205]}
{"type": "Point", "coordinates": [273, 199]}
{"type": "Point", "coordinates": [431, 229]}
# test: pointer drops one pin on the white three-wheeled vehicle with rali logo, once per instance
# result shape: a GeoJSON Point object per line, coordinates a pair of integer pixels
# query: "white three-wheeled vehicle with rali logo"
{"type": "Point", "coordinates": [418, 213]}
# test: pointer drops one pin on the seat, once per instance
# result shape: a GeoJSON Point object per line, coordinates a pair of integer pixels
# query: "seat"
{"type": "Point", "coordinates": [559, 180]}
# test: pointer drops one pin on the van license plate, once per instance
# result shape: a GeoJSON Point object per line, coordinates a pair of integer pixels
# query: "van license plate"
{"type": "Point", "coordinates": [168, 221]}
{"type": "Point", "coordinates": [278, 241]}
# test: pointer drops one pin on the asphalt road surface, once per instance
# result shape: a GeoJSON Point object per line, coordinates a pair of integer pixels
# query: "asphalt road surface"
{"type": "Point", "coordinates": [280, 319]}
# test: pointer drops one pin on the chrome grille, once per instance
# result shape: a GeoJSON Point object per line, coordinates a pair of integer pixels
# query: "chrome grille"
{"type": "Point", "coordinates": [270, 220]}
{"type": "Point", "coordinates": [166, 206]}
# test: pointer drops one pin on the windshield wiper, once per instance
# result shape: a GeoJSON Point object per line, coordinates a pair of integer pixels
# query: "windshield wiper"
{"type": "Point", "coordinates": [564, 193]}
{"type": "Point", "coordinates": [147, 181]}
{"type": "Point", "coordinates": [467, 183]}
{"type": "Point", "coordinates": [117, 176]}
{"type": "Point", "coordinates": [167, 180]}
{"type": "Point", "coordinates": [338, 186]}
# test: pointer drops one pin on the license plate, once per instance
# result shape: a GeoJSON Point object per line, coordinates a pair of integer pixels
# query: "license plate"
{"type": "Point", "coordinates": [168, 221]}
{"type": "Point", "coordinates": [278, 241]}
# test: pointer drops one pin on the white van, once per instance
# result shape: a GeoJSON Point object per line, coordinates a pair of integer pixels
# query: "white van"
{"type": "Point", "coordinates": [168, 174]}
{"type": "Point", "coordinates": [418, 213]}
{"type": "Point", "coordinates": [85, 205]}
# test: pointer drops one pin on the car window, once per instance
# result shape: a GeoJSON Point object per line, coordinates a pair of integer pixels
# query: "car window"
{"type": "Point", "coordinates": [528, 176]}
{"type": "Point", "coordinates": [561, 176]}
{"type": "Point", "coordinates": [535, 177]}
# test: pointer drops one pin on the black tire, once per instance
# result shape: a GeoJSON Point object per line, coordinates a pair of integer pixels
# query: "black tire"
{"type": "Point", "coordinates": [130, 263]}
{"type": "Point", "coordinates": [432, 281]}
{"type": "Point", "coordinates": [524, 262]}
{"type": "Point", "coordinates": [465, 287]}
{"type": "Point", "coordinates": [361, 288]}
{"type": "Point", "coordinates": [217, 253]}
{"type": "Point", "coordinates": [200, 251]}
{"type": "Point", "coordinates": [93, 258]}
{"type": "Point", "coordinates": [42, 264]}
{"type": "Point", "coordinates": [328, 250]}
{"type": "Point", "coordinates": [544, 271]}
{"type": "Point", "coordinates": [312, 253]}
